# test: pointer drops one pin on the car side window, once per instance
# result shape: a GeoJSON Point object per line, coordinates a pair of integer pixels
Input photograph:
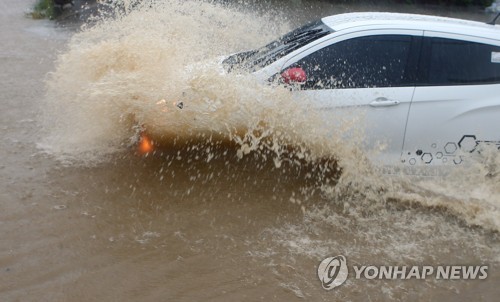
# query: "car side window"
{"type": "Point", "coordinates": [364, 62]}
{"type": "Point", "coordinates": [456, 62]}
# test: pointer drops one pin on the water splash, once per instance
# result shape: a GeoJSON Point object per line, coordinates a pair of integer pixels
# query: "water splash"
{"type": "Point", "coordinates": [153, 66]}
{"type": "Point", "coordinates": [135, 67]}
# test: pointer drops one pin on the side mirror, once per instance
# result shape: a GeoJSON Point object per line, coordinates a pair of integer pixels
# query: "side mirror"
{"type": "Point", "coordinates": [294, 75]}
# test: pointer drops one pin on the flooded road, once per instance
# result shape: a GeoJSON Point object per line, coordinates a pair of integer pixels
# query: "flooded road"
{"type": "Point", "coordinates": [85, 218]}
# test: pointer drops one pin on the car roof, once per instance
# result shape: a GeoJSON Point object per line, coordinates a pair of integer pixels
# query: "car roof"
{"type": "Point", "coordinates": [412, 21]}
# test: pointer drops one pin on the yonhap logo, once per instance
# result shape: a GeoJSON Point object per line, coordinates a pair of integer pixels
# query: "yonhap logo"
{"type": "Point", "coordinates": [333, 272]}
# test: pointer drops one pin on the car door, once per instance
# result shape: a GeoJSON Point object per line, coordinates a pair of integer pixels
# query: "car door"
{"type": "Point", "coordinates": [362, 84]}
{"type": "Point", "coordinates": [456, 107]}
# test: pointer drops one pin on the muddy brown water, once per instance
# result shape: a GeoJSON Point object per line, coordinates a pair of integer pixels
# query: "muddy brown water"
{"type": "Point", "coordinates": [181, 225]}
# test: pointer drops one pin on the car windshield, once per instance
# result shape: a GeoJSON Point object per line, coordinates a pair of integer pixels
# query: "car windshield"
{"type": "Point", "coordinates": [256, 59]}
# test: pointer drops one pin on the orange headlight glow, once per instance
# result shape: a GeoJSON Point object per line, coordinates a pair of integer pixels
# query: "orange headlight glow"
{"type": "Point", "coordinates": [146, 145]}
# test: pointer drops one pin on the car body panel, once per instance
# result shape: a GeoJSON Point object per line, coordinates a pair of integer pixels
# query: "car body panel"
{"type": "Point", "coordinates": [380, 112]}
{"type": "Point", "coordinates": [448, 123]}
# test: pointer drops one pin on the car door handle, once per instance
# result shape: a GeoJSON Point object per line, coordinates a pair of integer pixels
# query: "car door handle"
{"type": "Point", "coordinates": [384, 102]}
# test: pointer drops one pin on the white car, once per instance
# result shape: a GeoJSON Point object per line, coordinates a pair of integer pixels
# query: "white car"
{"type": "Point", "coordinates": [429, 86]}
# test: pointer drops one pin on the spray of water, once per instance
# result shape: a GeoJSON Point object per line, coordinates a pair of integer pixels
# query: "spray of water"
{"type": "Point", "coordinates": [153, 67]}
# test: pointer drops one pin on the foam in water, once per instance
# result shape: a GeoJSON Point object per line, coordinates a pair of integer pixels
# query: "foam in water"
{"type": "Point", "coordinates": [136, 69]}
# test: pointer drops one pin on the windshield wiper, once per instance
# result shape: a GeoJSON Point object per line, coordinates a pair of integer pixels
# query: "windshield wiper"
{"type": "Point", "coordinates": [305, 34]}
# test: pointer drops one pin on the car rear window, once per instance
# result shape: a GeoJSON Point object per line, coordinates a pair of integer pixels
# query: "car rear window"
{"type": "Point", "coordinates": [456, 62]}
